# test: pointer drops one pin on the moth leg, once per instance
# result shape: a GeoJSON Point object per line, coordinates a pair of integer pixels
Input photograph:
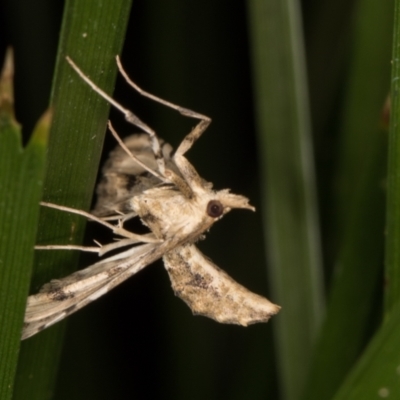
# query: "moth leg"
{"type": "Point", "coordinates": [182, 110]}
{"type": "Point", "coordinates": [100, 249]}
{"type": "Point", "coordinates": [194, 134]}
{"type": "Point", "coordinates": [187, 170]}
{"type": "Point", "coordinates": [68, 247]}
{"type": "Point", "coordinates": [134, 158]}
{"type": "Point", "coordinates": [120, 217]}
{"type": "Point", "coordinates": [116, 245]}
{"type": "Point", "coordinates": [117, 229]}
{"type": "Point", "coordinates": [129, 116]}
{"type": "Point", "coordinates": [184, 166]}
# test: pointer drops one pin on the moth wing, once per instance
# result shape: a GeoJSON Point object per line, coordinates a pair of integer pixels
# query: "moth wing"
{"type": "Point", "coordinates": [211, 292]}
{"type": "Point", "coordinates": [60, 298]}
{"type": "Point", "coordinates": [123, 178]}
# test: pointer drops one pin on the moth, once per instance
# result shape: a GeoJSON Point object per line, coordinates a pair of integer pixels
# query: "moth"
{"type": "Point", "coordinates": [144, 178]}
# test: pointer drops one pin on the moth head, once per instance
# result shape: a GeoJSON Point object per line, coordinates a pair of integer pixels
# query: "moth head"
{"type": "Point", "coordinates": [215, 209]}
{"type": "Point", "coordinates": [225, 202]}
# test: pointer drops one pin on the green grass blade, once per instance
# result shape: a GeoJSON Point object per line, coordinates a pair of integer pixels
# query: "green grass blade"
{"type": "Point", "coordinates": [359, 222]}
{"type": "Point", "coordinates": [92, 34]}
{"type": "Point", "coordinates": [291, 221]}
{"type": "Point", "coordinates": [392, 261]}
{"type": "Point", "coordinates": [376, 375]}
{"type": "Point", "coordinates": [21, 182]}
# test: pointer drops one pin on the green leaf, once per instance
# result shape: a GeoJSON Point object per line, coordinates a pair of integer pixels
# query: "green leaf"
{"type": "Point", "coordinates": [21, 182]}
{"type": "Point", "coordinates": [291, 220]}
{"type": "Point", "coordinates": [377, 373]}
{"type": "Point", "coordinates": [392, 255]}
{"type": "Point", "coordinates": [92, 34]}
{"type": "Point", "coordinates": [358, 221]}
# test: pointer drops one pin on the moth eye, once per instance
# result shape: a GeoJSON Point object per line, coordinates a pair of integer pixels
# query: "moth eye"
{"type": "Point", "coordinates": [214, 208]}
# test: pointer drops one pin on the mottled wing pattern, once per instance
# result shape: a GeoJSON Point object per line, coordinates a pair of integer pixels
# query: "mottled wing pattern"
{"type": "Point", "coordinates": [62, 297]}
{"type": "Point", "coordinates": [123, 178]}
{"type": "Point", "coordinates": [210, 291]}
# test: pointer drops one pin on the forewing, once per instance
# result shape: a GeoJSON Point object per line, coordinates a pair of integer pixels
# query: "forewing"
{"type": "Point", "coordinates": [60, 298]}
{"type": "Point", "coordinates": [211, 292]}
{"type": "Point", "coordinates": [123, 178]}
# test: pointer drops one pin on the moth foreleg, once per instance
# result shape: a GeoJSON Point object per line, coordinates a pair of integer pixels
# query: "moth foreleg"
{"type": "Point", "coordinates": [132, 119]}
{"type": "Point", "coordinates": [129, 115]}
{"type": "Point", "coordinates": [187, 170]}
{"type": "Point", "coordinates": [182, 110]}
{"type": "Point", "coordinates": [194, 134]}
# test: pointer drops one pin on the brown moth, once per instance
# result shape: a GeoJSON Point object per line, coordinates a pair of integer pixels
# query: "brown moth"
{"type": "Point", "coordinates": [145, 179]}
